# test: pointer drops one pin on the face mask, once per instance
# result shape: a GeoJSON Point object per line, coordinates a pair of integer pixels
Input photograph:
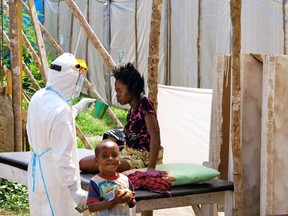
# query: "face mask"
{"type": "Point", "coordinates": [79, 84]}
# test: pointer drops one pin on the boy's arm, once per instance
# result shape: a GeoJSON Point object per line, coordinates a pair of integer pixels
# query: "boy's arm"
{"type": "Point", "coordinates": [101, 205]}
{"type": "Point", "coordinates": [105, 204]}
{"type": "Point", "coordinates": [132, 201]}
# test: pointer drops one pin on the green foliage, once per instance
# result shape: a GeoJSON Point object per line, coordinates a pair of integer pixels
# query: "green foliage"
{"type": "Point", "coordinates": [13, 197]}
{"type": "Point", "coordinates": [94, 126]}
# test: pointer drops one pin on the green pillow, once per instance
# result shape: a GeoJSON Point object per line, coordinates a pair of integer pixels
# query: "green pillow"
{"type": "Point", "coordinates": [188, 173]}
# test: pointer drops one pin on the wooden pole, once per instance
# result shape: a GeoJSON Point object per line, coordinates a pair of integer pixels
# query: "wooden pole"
{"type": "Point", "coordinates": [71, 29]}
{"type": "Point", "coordinates": [168, 80]}
{"type": "Point", "coordinates": [136, 32]}
{"type": "Point", "coordinates": [28, 45]}
{"type": "Point", "coordinates": [45, 32]}
{"type": "Point", "coordinates": [198, 44]}
{"type": "Point", "coordinates": [235, 10]}
{"type": "Point", "coordinates": [284, 26]}
{"type": "Point", "coordinates": [16, 72]}
{"type": "Point", "coordinates": [153, 57]}
{"type": "Point", "coordinates": [86, 39]}
{"type": "Point", "coordinates": [91, 34]}
{"type": "Point", "coordinates": [167, 41]}
{"type": "Point", "coordinates": [39, 39]}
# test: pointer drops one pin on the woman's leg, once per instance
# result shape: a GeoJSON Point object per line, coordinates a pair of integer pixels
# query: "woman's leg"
{"type": "Point", "coordinates": [88, 164]}
{"type": "Point", "coordinates": [124, 165]}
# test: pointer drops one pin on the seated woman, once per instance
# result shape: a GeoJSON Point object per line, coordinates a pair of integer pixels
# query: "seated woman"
{"type": "Point", "coordinates": [142, 148]}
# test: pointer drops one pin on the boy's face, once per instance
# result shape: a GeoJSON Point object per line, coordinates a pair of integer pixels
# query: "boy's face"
{"type": "Point", "coordinates": [108, 158]}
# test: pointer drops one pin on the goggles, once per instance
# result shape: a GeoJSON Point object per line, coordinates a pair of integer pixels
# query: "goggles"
{"type": "Point", "coordinates": [81, 66]}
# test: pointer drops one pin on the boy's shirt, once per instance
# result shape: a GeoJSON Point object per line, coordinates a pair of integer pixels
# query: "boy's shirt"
{"type": "Point", "coordinates": [104, 188]}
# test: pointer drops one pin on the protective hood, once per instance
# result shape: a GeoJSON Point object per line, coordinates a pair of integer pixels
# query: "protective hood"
{"type": "Point", "coordinates": [63, 75]}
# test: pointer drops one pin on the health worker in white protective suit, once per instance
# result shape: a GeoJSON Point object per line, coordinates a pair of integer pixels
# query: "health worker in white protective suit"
{"type": "Point", "coordinates": [53, 172]}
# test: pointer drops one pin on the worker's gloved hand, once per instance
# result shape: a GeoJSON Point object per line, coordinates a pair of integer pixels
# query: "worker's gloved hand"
{"type": "Point", "coordinates": [82, 105]}
{"type": "Point", "coordinates": [79, 196]}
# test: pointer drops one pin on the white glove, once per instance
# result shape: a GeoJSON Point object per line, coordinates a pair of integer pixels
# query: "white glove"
{"type": "Point", "coordinates": [79, 196]}
{"type": "Point", "coordinates": [82, 105]}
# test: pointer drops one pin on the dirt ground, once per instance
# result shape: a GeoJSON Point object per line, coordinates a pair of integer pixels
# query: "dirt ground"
{"type": "Point", "coordinates": [7, 213]}
{"type": "Point", "coordinates": [181, 211]}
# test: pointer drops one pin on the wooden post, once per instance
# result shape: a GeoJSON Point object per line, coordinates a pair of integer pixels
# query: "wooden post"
{"type": "Point", "coordinates": [91, 34]}
{"type": "Point", "coordinates": [45, 32]}
{"type": "Point", "coordinates": [16, 72]}
{"type": "Point", "coordinates": [153, 57]}
{"type": "Point", "coordinates": [40, 42]}
{"type": "Point", "coordinates": [274, 172]}
{"type": "Point", "coordinates": [28, 45]}
{"type": "Point", "coordinates": [198, 44]}
{"type": "Point", "coordinates": [136, 32]}
{"type": "Point", "coordinates": [167, 41]}
{"type": "Point", "coordinates": [236, 124]}
{"type": "Point", "coordinates": [284, 25]}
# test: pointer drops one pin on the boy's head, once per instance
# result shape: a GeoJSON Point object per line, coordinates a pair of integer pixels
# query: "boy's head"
{"type": "Point", "coordinates": [107, 156]}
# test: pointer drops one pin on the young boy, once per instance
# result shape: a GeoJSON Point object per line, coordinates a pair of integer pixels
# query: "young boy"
{"type": "Point", "coordinates": [110, 192]}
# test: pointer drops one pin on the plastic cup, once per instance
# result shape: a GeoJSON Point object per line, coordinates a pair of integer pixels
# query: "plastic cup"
{"type": "Point", "coordinates": [99, 109]}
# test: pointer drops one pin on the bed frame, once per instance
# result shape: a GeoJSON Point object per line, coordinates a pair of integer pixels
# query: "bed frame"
{"type": "Point", "coordinates": [205, 197]}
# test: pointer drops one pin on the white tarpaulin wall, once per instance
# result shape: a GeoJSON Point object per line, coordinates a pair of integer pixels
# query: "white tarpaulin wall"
{"type": "Point", "coordinates": [262, 32]}
{"type": "Point", "coordinates": [184, 119]}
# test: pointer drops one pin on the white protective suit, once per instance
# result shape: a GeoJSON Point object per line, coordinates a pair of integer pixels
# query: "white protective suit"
{"type": "Point", "coordinates": [51, 132]}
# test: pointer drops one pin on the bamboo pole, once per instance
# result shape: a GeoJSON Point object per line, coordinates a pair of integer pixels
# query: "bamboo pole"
{"type": "Point", "coordinates": [153, 57]}
{"type": "Point", "coordinates": [16, 72]}
{"type": "Point", "coordinates": [284, 26]}
{"type": "Point", "coordinates": [71, 32]}
{"type": "Point", "coordinates": [57, 22]}
{"type": "Point", "coordinates": [136, 32]}
{"type": "Point", "coordinates": [168, 80]}
{"type": "Point", "coordinates": [235, 10]}
{"type": "Point", "coordinates": [91, 34]}
{"type": "Point", "coordinates": [166, 18]}
{"type": "Point", "coordinates": [28, 45]}
{"type": "Point", "coordinates": [198, 44]}
{"type": "Point", "coordinates": [45, 32]}
{"type": "Point", "coordinates": [102, 51]}
{"type": "Point", "coordinates": [30, 76]}
{"type": "Point", "coordinates": [24, 66]}
{"type": "Point", "coordinates": [86, 39]}
{"type": "Point", "coordinates": [39, 39]}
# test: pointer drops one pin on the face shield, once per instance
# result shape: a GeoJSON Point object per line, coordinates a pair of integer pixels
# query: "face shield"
{"type": "Point", "coordinates": [79, 84]}
{"type": "Point", "coordinates": [82, 67]}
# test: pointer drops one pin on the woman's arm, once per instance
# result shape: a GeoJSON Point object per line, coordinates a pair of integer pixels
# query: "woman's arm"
{"type": "Point", "coordinates": [105, 204]}
{"type": "Point", "coordinates": [154, 132]}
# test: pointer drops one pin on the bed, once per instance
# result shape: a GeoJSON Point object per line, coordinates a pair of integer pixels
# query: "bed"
{"type": "Point", "coordinates": [205, 197]}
